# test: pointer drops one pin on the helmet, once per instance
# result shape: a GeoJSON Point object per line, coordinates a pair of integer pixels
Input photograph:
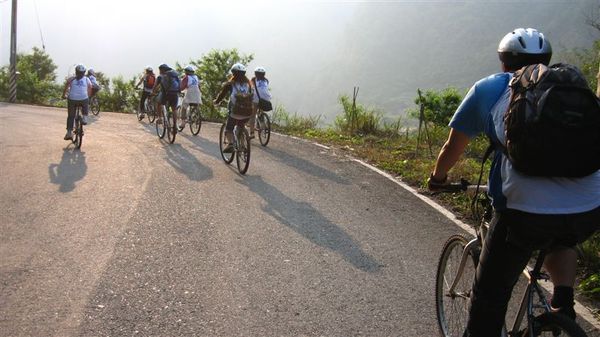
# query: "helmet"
{"type": "Point", "coordinates": [91, 72]}
{"type": "Point", "coordinates": [149, 69]}
{"type": "Point", "coordinates": [238, 67]}
{"type": "Point", "coordinates": [523, 47]}
{"type": "Point", "coordinates": [189, 69]}
{"type": "Point", "coordinates": [260, 70]}
{"type": "Point", "coordinates": [164, 67]}
{"type": "Point", "coordinates": [80, 68]}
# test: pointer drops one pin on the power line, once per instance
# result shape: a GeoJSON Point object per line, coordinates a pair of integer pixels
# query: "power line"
{"type": "Point", "coordinates": [39, 26]}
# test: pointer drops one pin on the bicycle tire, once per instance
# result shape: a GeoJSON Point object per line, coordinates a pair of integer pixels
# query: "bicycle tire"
{"type": "Point", "coordinates": [453, 309]}
{"type": "Point", "coordinates": [139, 115]}
{"type": "Point", "coordinates": [161, 126]}
{"type": "Point", "coordinates": [179, 114]}
{"type": "Point", "coordinates": [551, 324]}
{"type": "Point", "coordinates": [95, 106]}
{"type": "Point", "coordinates": [264, 134]}
{"type": "Point", "coordinates": [227, 157]}
{"type": "Point", "coordinates": [171, 129]}
{"type": "Point", "coordinates": [196, 121]}
{"type": "Point", "coordinates": [151, 112]}
{"type": "Point", "coordinates": [242, 153]}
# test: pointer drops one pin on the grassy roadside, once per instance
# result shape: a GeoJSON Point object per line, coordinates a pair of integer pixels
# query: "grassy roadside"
{"type": "Point", "coordinates": [398, 154]}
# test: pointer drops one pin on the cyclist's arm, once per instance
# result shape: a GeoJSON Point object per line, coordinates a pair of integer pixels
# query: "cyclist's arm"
{"type": "Point", "coordinates": [226, 89]}
{"type": "Point", "coordinates": [89, 87]}
{"type": "Point", "coordinates": [66, 87]}
{"type": "Point", "coordinates": [139, 82]}
{"type": "Point", "coordinates": [184, 84]}
{"type": "Point", "coordinates": [450, 153]}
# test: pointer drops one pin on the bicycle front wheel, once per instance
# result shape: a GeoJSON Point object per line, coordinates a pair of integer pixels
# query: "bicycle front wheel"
{"type": "Point", "coordinates": [452, 306]}
{"type": "Point", "coordinates": [551, 324]}
{"type": "Point", "coordinates": [227, 157]}
{"type": "Point", "coordinates": [195, 121]}
{"type": "Point", "coordinates": [264, 128]}
{"type": "Point", "coordinates": [242, 153]}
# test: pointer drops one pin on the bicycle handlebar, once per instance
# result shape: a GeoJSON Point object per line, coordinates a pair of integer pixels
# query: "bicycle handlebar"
{"type": "Point", "coordinates": [462, 186]}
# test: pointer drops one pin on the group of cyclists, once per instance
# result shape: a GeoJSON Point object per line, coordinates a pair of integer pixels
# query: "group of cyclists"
{"type": "Point", "coordinates": [554, 213]}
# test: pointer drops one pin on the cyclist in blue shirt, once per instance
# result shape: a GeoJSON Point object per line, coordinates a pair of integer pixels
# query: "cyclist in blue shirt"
{"type": "Point", "coordinates": [79, 89]}
{"type": "Point", "coordinates": [530, 212]}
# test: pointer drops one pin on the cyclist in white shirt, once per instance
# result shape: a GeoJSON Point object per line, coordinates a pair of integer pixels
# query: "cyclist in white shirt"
{"type": "Point", "coordinates": [191, 84]}
{"type": "Point", "coordinates": [80, 89]}
{"type": "Point", "coordinates": [261, 88]}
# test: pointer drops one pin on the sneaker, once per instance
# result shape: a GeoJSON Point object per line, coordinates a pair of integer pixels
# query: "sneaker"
{"type": "Point", "coordinates": [69, 135]}
{"type": "Point", "coordinates": [84, 120]}
{"type": "Point", "coordinates": [228, 148]}
{"type": "Point", "coordinates": [566, 311]}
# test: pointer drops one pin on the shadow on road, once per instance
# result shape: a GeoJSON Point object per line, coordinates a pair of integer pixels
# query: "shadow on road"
{"type": "Point", "coordinates": [307, 221]}
{"type": "Point", "coordinates": [72, 168]}
{"type": "Point", "coordinates": [303, 165]}
{"type": "Point", "coordinates": [183, 161]}
{"type": "Point", "coordinates": [204, 145]}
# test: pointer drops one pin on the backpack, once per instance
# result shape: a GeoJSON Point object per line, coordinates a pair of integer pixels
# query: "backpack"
{"type": "Point", "coordinates": [552, 125]}
{"type": "Point", "coordinates": [243, 102]}
{"type": "Point", "coordinates": [170, 81]}
{"type": "Point", "coordinates": [150, 79]}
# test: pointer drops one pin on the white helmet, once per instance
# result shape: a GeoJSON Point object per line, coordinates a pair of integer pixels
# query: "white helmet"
{"type": "Point", "coordinates": [260, 70]}
{"type": "Point", "coordinates": [238, 67]}
{"type": "Point", "coordinates": [189, 69]}
{"type": "Point", "coordinates": [149, 69]}
{"type": "Point", "coordinates": [91, 71]}
{"type": "Point", "coordinates": [522, 47]}
{"type": "Point", "coordinates": [80, 68]}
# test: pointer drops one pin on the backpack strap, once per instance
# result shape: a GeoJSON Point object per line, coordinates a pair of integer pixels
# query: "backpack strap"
{"type": "Point", "coordinates": [256, 88]}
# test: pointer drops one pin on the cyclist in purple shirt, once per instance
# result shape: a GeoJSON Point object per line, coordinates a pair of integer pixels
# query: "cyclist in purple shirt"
{"type": "Point", "coordinates": [530, 212]}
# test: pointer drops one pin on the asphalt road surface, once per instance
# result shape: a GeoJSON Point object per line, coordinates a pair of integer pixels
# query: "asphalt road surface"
{"type": "Point", "coordinates": [132, 236]}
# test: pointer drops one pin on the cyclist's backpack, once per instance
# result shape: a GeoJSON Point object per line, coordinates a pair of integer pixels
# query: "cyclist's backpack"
{"type": "Point", "coordinates": [170, 81]}
{"type": "Point", "coordinates": [150, 79]}
{"type": "Point", "coordinates": [243, 101]}
{"type": "Point", "coordinates": [552, 125]}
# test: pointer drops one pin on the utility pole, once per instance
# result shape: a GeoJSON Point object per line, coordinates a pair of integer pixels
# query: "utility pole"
{"type": "Point", "coordinates": [12, 85]}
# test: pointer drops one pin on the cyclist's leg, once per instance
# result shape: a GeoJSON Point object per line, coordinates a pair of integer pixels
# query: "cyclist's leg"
{"type": "Point", "coordinates": [143, 101]}
{"type": "Point", "coordinates": [499, 268]}
{"type": "Point", "coordinates": [173, 101]}
{"type": "Point", "coordinates": [70, 114]}
{"type": "Point", "coordinates": [85, 108]}
{"type": "Point", "coordinates": [253, 118]}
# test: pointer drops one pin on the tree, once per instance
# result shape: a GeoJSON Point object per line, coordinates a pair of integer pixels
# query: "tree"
{"type": "Point", "coordinates": [439, 105]}
{"type": "Point", "coordinates": [213, 70]}
{"type": "Point", "coordinates": [35, 83]}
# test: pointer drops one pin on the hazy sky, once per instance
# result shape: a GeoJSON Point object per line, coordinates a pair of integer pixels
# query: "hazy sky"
{"type": "Point", "coordinates": [123, 36]}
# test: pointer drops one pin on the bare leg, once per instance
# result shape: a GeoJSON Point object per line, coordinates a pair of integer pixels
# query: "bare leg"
{"type": "Point", "coordinates": [561, 265]}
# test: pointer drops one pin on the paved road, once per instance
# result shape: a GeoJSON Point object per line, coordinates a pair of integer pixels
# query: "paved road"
{"type": "Point", "coordinates": [135, 237]}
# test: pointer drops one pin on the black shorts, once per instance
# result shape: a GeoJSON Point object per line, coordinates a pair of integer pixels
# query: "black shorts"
{"type": "Point", "coordinates": [169, 98]}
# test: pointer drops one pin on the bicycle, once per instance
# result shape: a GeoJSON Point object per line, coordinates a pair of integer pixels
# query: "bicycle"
{"type": "Point", "coordinates": [456, 271]}
{"type": "Point", "coordinates": [263, 127]}
{"type": "Point", "coordinates": [95, 105]}
{"type": "Point", "coordinates": [241, 147]}
{"type": "Point", "coordinates": [192, 116]}
{"type": "Point", "coordinates": [167, 124]}
{"type": "Point", "coordinates": [149, 110]}
{"type": "Point", "coordinates": [78, 127]}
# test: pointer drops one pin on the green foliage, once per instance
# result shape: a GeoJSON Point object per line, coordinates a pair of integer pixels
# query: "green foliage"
{"type": "Point", "coordinates": [588, 60]}
{"type": "Point", "coordinates": [120, 96]}
{"type": "Point", "coordinates": [35, 83]}
{"type": "Point", "coordinates": [591, 286]}
{"type": "Point", "coordinates": [213, 70]}
{"type": "Point", "coordinates": [292, 123]}
{"type": "Point", "coordinates": [356, 118]}
{"type": "Point", "coordinates": [439, 106]}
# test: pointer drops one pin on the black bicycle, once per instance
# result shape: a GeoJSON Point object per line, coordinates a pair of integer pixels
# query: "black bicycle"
{"type": "Point", "coordinates": [241, 147]}
{"type": "Point", "coordinates": [78, 126]}
{"type": "Point", "coordinates": [95, 105]}
{"type": "Point", "coordinates": [167, 124]}
{"type": "Point", "coordinates": [456, 271]}
{"type": "Point", "coordinates": [263, 127]}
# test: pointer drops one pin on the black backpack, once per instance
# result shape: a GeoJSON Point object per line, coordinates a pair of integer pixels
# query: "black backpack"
{"type": "Point", "coordinates": [552, 125]}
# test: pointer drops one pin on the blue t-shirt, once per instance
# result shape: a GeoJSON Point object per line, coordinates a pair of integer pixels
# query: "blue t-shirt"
{"type": "Point", "coordinates": [482, 111]}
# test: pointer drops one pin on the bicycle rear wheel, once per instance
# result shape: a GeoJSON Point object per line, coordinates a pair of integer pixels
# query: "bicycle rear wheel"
{"type": "Point", "coordinates": [95, 106]}
{"type": "Point", "coordinates": [171, 126]}
{"type": "Point", "coordinates": [227, 157]}
{"type": "Point", "coordinates": [453, 307]}
{"type": "Point", "coordinates": [150, 111]}
{"type": "Point", "coordinates": [195, 120]}
{"type": "Point", "coordinates": [551, 324]}
{"type": "Point", "coordinates": [242, 153]}
{"type": "Point", "coordinates": [161, 125]}
{"type": "Point", "coordinates": [264, 128]}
